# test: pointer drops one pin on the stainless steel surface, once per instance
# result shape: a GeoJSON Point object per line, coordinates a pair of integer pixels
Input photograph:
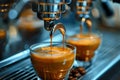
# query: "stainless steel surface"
{"type": "Point", "coordinates": [47, 10]}
{"type": "Point", "coordinates": [83, 6]}
{"type": "Point", "coordinates": [83, 10]}
{"type": "Point", "coordinates": [50, 10]}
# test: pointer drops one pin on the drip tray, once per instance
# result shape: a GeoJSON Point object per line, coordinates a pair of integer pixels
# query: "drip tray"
{"type": "Point", "coordinates": [19, 71]}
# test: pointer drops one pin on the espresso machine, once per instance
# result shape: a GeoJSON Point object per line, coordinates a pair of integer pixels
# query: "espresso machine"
{"type": "Point", "coordinates": [47, 10]}
{"type": "Point", "coordinates": [107, 63]}
{"type": "Point", "coordinates": [50, 11]}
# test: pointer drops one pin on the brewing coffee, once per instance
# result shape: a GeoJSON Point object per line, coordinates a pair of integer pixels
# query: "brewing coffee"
{"type": "Point", "coordinates": [86, 45]}
{"type": "Point", "coordinates": [52, 63]}
{"type": "Point", "coordinates": [53, 60]}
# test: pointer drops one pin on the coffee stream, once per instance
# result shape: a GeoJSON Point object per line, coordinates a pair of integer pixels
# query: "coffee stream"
{"type": "Point", "coordinates": [51, 35]}
{"type": "Point", "coordinates": [61, 28]}
{"type": "Point", "coordinates": [88, 23]}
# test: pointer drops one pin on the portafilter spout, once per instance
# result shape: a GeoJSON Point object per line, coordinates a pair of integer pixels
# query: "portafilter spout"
{"type": "Point", "coordinates": [61, 28]}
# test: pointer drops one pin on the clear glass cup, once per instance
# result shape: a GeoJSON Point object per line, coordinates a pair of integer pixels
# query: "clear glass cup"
{"type": "Point", "coordinates": [86, 45]}
{"type": "Point", "coordinates": [52, 63]}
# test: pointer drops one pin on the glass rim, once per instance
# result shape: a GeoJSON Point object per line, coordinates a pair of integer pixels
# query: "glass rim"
{"type": "Point", "coordinates": [35, 46]}
{"type": "Point", "coordinates": [98, 35]}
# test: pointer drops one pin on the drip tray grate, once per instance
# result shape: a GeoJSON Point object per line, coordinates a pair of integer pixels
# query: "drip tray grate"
{"type": "Point", "coordinates": [25, 72]}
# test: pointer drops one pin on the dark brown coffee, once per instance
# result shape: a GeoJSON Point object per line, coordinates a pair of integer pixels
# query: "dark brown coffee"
{"type": "Point", "coordinates": [86, 44]}
{"type": "Point", "coordinates": [52, 64]}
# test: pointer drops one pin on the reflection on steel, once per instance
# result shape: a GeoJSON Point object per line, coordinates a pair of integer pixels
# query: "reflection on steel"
{"type": "Point", "coordinates": [84, 6]}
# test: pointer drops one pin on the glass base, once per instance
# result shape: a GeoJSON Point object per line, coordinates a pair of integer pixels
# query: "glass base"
{"type": "Point", "coordinates": [38, 78]}
{"type": "Point", "coordinates": [84, 64]}
{"type": "Point", "coordinates": [66, 78]}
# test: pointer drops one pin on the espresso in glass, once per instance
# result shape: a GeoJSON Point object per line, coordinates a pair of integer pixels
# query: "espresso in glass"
{"type": "Point", "coordinates": [52, 62]}
{"type": "Point", "coordinates": [86, 45]}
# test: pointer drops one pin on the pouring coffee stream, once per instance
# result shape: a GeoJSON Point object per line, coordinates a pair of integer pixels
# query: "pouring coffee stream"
{"type": "Point", "coordinates": [88, 23]}
{"type": "Point", "coordinates": [61, 28]}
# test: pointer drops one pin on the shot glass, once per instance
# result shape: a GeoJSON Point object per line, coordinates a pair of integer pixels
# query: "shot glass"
{"type": "Point", "coordinates": [52, 62]}
{"type": "Point", "coordinates": [86, 45]}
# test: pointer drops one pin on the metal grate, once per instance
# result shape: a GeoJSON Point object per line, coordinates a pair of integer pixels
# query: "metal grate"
{"type": "Point", "coordinates": [21, 71]}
